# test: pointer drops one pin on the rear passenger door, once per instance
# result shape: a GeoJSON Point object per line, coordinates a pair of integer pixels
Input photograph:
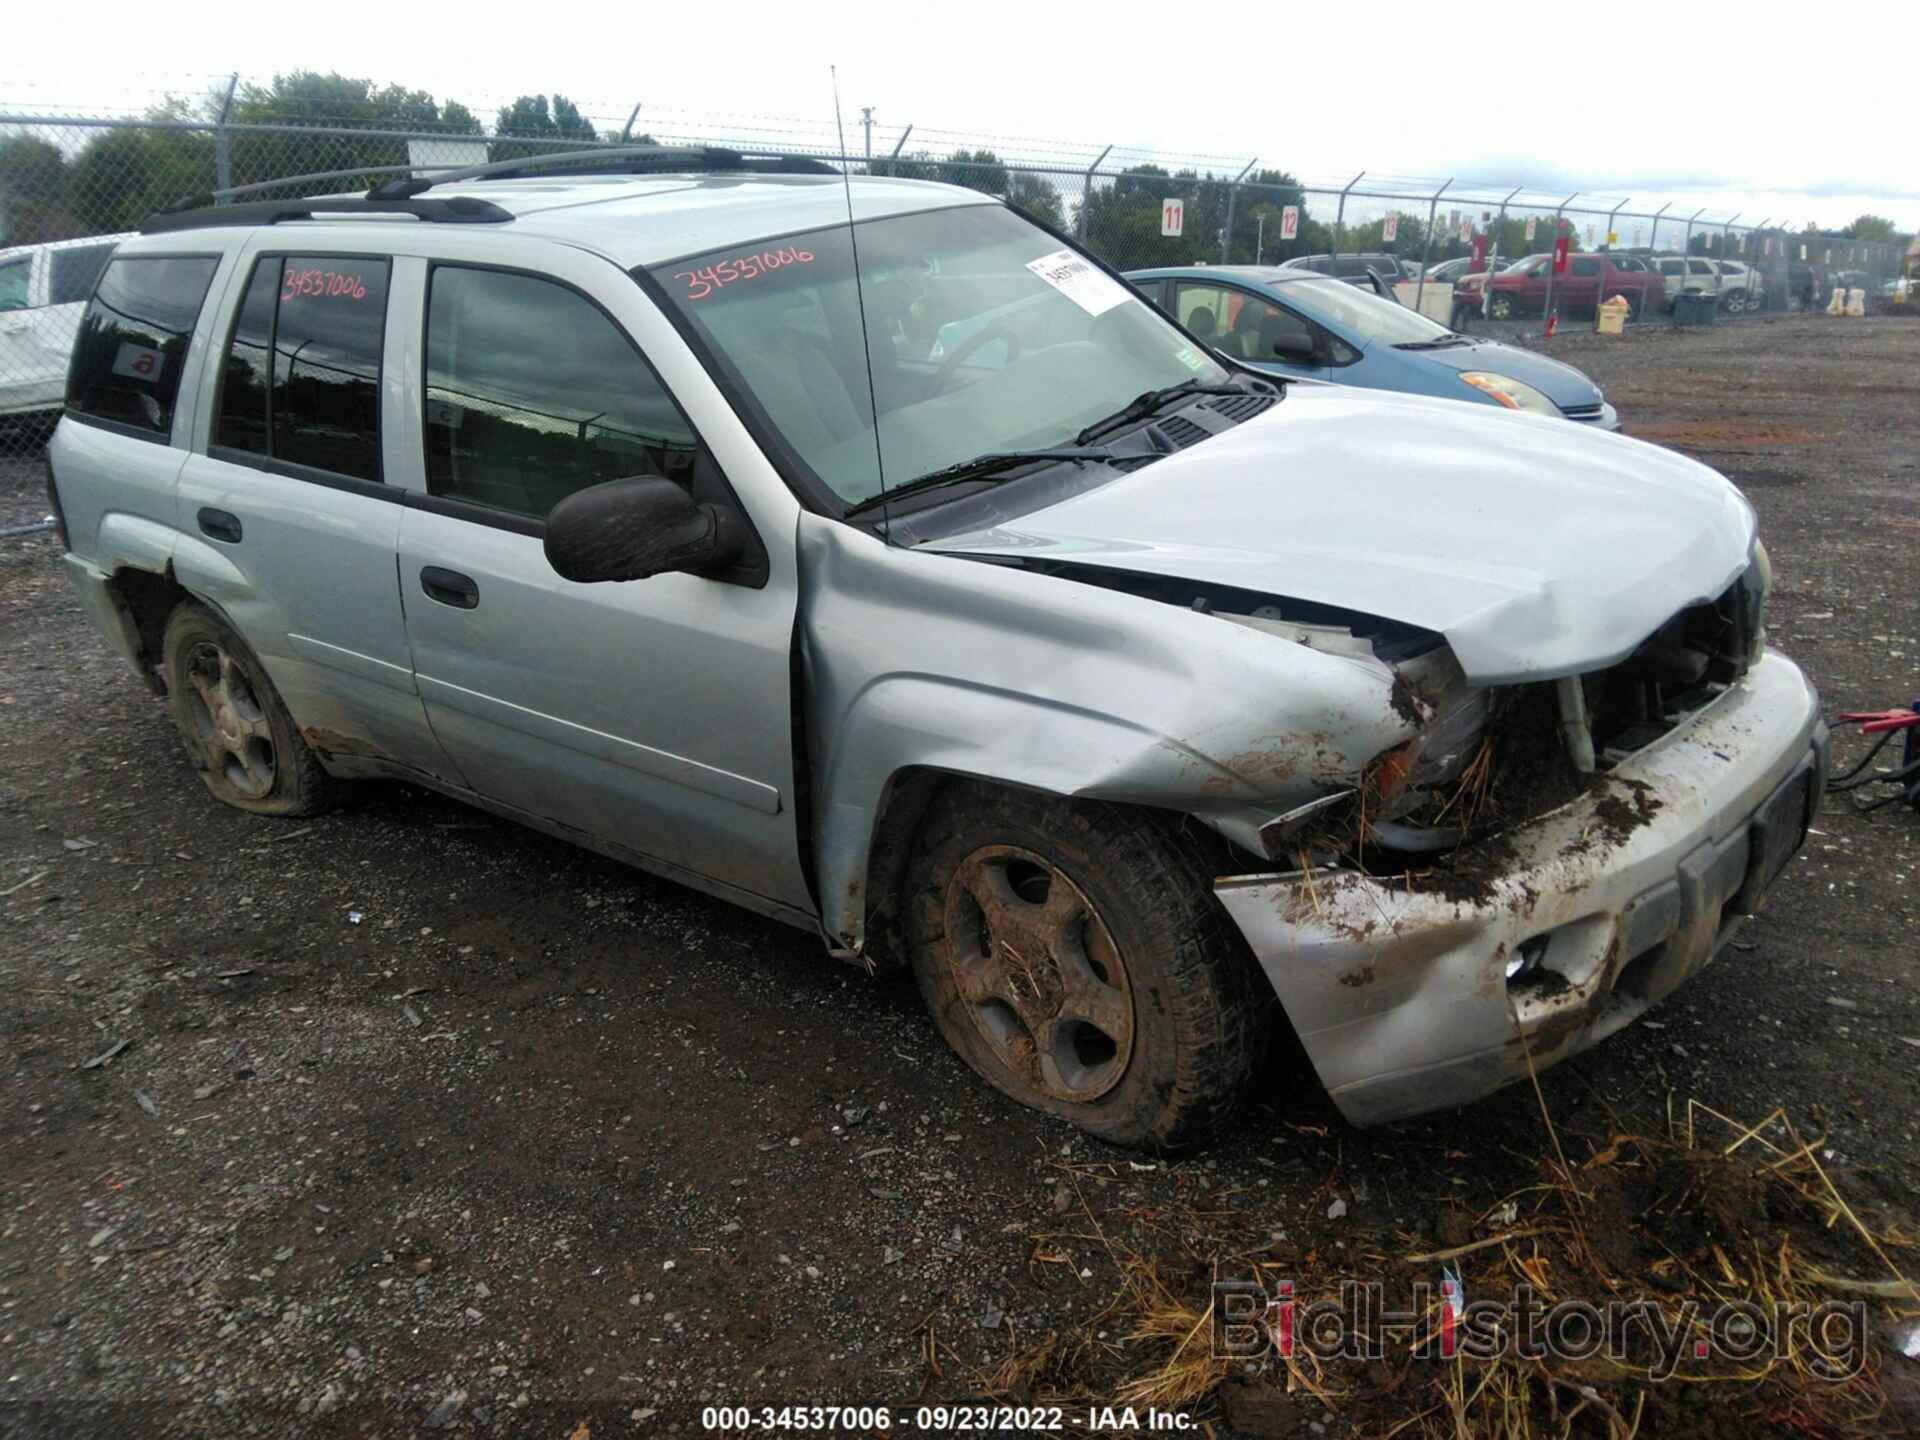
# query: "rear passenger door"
{"type": "Point", "coordinates": [291, 525]}
{"type": "Point", "coordinates": [654, 716]}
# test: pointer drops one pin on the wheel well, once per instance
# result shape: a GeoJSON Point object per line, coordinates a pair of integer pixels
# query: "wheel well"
{"type": "Point", "coordinates": [905, 806]}
{"type": "Point", "coordinates": [148, 600]}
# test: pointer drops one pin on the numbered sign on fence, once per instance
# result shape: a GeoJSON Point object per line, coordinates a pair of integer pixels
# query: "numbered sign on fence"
{"type": "Point", "coordinates": [1289, 222]}
{"type": "Point", "coordinates": [1389, 228]}
{"type": "Point", "coordinates": [1466, 228]}
{"type": "Point", "coordinates": [1532, 220]}
{"type": "Point", "coordinates": [1173, 216]}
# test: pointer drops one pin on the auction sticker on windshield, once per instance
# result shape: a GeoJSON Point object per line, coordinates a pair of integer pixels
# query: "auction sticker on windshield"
{"type": "Point", "coordinates": [1091, 289]}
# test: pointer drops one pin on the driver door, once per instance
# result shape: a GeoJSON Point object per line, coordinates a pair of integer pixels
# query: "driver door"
{"type": "Point", "coordinates": [653, 716]}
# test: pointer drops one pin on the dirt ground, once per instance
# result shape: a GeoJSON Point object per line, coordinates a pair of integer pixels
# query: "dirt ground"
{"type": "Point", "coordinates": [422, 1122]}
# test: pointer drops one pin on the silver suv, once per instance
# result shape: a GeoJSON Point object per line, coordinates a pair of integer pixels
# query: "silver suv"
{"type": "Point", "coordinates": [863, 552]}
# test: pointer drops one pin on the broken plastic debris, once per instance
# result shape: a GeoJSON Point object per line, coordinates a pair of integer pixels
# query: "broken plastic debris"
{"type": "Point", "coordinates": [353, 917]}
{"type": "Point", "coordinates": [1336, 1209]}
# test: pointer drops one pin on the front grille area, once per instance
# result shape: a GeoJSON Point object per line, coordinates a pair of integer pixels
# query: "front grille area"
{"type": "Point", "coordinates": [1583, 412]}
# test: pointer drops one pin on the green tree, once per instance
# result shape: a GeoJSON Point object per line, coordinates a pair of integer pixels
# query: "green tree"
{"type": "Point", "coordinates": [976, 169]}
{"type": "Point", "coordinates": [306, 100]}
{"type": "Point", "coordinates": [33, 192]}
{"type": "Point", "coordinates": [1872, 227]}
{"type": "Point", "coordinates": [123, 176]}
{"type": "Point", "coordinates": [1038, 196]}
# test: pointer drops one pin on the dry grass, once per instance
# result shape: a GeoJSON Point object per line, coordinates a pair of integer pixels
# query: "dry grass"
{"type": "Point", "coordinates": [1712, 1212]}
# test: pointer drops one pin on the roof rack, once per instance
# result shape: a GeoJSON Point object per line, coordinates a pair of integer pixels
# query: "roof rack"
{"type": "Point", "coordinates": [454, 210]}
{"type": "Point", "coordinates": [613, 160]}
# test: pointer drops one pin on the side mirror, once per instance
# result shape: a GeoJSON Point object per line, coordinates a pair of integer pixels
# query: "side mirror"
{"type": "Point", "coordinates": [1295, 349]}
{"type": "Point", "coordinates": [632, 529]}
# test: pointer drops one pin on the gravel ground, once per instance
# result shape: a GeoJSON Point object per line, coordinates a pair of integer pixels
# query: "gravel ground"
{"type": "Point", "coordinates": [416, 1121]}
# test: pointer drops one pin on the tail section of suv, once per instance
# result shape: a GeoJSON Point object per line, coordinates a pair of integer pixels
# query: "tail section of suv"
{"type": "Point", "coordinates": [645, 507]}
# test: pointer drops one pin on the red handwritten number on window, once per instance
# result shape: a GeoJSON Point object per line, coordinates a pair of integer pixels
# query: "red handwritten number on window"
{"type": "Point", "coordinates": [327, 283]}
{"type": "Point", "coordinates": [704, 281]}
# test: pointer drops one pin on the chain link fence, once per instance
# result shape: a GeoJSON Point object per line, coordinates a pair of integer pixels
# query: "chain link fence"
{"type": "Point", "coordinates": [1472, 256]}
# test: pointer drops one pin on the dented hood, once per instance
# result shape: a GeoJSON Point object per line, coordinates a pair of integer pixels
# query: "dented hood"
{"type": "Point", "coordinates": [1538, 548]}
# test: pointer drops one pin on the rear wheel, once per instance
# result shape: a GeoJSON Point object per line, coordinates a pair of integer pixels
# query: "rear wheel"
{"type": "Point", "coordinates": [236, 730]}
{"type": "Point", "coordinates": [1074, 955]}
{"type": "Point", "coordinates": [1500, 307]}
{"type": "Point", "coordinates": [1737, 302]}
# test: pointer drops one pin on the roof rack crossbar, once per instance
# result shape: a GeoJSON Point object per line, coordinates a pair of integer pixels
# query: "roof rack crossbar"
{"type": "Point", "coordinates": [454, 210]}
{"type": "Point", "coordinates": [619, 159]}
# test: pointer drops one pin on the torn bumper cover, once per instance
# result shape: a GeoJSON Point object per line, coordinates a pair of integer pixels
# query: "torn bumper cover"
{"type": "Point", "coordinates": [1403, 999]}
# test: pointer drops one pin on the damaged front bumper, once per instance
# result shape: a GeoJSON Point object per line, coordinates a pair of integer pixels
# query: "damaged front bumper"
{"type": "Point", "coordinates": [1402, 997]}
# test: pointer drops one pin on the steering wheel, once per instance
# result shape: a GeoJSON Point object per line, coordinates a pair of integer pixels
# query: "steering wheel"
{"type": "Point", "coordinates": [950, 367]}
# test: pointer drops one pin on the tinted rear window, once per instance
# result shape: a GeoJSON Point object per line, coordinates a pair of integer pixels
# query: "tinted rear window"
{"type": "Point", "coordinates": [301, 378]}
{"type": "Point", "coordinates": [71, 277]}
{"type": "Point", "coordinates": [133, 339]}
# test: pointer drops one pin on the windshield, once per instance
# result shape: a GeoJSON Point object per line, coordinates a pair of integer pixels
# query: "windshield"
{"type": "Point", "coordinates": [1359, 316]}
{"type": "Point", "coordinates": [985, 335]}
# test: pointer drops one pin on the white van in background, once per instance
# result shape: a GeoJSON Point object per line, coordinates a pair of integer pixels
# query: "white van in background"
{"type": "Point", "coordinates": [43, 291]}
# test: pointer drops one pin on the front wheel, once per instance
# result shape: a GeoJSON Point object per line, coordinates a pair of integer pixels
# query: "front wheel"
{"type": "Point", "coordinates": [235, 728]}
{"type": "Point", "coordinates": [1500, 307]}
{"type": "Point", "coordinates": [1736, 303]}
{"type": "Point", "coordinates": [1075, 956]}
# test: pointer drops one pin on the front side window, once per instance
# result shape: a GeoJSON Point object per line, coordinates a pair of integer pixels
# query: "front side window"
{"type": "Point", "coordinates": [132, 344]}
{"type": "Point", "coordinates": [72, 271]}
{"type": "Point", "coordinates": [1367, 318]}
{"type": "Point", "coordinates": [301, 379]}
{"type": "Point", "coordinates": [1242, 325]}
{"type": "Point", "coordinates": [15, 276]}
{"type": "Point", "coordinates": [1586, 267]}
{"type": "Point", "coordinates": [534, 393]}
{"type": "Point", "coordinates": [983, 334]}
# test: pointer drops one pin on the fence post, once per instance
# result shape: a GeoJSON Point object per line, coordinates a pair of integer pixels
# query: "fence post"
{"type": "Point", "coordinates": [1426, 251]}
{"type": "Point", "coordinates": [1500, 225]}
{"type": "Point", "coordinates": [1340, 219]}
{"type": "Point", "coordinates": [1653, 231]}
{"type": "Point", "coordinates": [1233, 192]}
{"type": "Point", "coordinates": [222, 156]}
{"type": "Point", "coordinates": [1086, 191]}
{"type": "Point", "coordinates": [1613, 215]}
{"type": "Point", "coordinates": [1559, 222]}
{"type": "Point", "coordinates": [1686, 246]}
{"type": "Point", "coordinates": [626, 130]}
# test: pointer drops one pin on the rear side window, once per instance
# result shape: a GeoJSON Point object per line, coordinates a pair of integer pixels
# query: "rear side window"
{"type": "Point", "coordinates": [73, 271]}
{"type": "Point", "coordinates": [301, 379]}
{"type": "Point", "coordinates": [15, 276]}
{"type": "Point", "coordinates": [533, 393]}
{"type": "Point", "coordinates": [133, 338]}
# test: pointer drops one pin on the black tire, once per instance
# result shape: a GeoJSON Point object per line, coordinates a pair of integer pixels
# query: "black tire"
{"type": "Point", "coordinates": [232, 723]}
{"type": "Point", "coordinates": [1149, 939]}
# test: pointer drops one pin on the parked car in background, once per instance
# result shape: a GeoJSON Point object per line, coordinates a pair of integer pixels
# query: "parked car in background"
{"type": "Point", "coordinates": [1448, 272]}
{"type": "Point", "coordinates": [43, 291]}
{"type": "Point", "coordinates": [1682, 273]}
{"type": "Point", "coordinates": [629, 503]}
{"type": "Point", "coordinates": [1742, 287]}
{"type": "Point", "coordinates": [1354, 268]}
{"type": "Point", "coordinates": [1525, 287]}
{"type": "Point", "coordinates": [1292, 322]}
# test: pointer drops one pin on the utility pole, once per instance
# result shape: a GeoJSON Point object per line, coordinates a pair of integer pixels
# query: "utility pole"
{"type": "Point", "coordinates": [866, 119]}
{"type": "Point", "coordinates": [1259, 236]}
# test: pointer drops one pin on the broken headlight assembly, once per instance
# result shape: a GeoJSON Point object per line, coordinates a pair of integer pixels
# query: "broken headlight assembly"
{"type": "Point", "coordinates": [1510, 393]}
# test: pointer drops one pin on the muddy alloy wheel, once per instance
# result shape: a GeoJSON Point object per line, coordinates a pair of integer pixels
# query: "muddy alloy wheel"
{"type": "Point", "coordinates": [1500, 308]}
{"type": "Point", "coordinates": [1038, 973]}
{"type": "Point", "coordinates": [229, 722]}
{"type": "Point", "coordinates": [236, 731]}
{"type": "Point", "coordinates": [1074, 955]}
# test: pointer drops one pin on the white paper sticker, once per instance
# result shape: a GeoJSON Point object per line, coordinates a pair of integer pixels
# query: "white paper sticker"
{"type": "Point", "coordinates": [137, 362]}
{"type": "Point", "coordinates": [1190, 357]}
{"type": "Point", "coordinates": [1076, 278]}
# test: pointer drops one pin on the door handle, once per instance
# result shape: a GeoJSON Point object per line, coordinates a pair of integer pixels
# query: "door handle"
{"type": "Point", "coordinates": [221, 525]}
{"type": "Point", "coordinates": [449, 587]}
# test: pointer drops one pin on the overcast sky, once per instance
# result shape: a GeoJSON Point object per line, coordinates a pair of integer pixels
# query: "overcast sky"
{"type": "Point", "coordinates": [1758, 114]}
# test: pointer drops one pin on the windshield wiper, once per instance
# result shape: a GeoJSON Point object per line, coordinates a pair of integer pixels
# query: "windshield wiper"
{"type": "Point", "coordinates": [1439, 342]}
{"type": "Point", "coordinates": [1141, 406]}
{"type": "Point", "coordinates": [984, 467]}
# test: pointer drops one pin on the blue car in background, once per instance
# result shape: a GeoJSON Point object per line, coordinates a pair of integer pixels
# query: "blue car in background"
{"type": "Point", "coordinates": [1297, 323]}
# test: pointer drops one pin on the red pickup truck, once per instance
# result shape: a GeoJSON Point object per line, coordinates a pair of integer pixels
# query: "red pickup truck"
{"type": "Point", "coordinates": [1589, 279]}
